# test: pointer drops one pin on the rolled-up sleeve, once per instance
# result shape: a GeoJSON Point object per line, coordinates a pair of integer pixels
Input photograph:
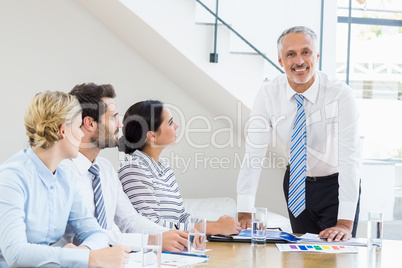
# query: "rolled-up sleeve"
{"type": "Point", "coordinates": [258, 138]}
{"type": "Point", "coordinates": [349, 156]}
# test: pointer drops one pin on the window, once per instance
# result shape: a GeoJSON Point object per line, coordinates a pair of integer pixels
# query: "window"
{"type": "Point", "coordinates": [375, 71]}
{"type": "Point", "coordinates": [375, 74]}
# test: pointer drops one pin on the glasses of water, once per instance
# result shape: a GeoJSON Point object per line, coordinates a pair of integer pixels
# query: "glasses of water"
{"type": "Point", "coordinates": [197, 235]}
{"type": "Point", "coordinates": [259, 225]}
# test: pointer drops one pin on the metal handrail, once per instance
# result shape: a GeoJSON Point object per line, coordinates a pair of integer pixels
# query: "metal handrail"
{"type": "Point", "coordinates": [213, 57]}
{"type": "Point", "coordinates": [240, 36]}
{"type": "Point", "coordinates": [348, 49]}
{"type": "Point", "coordinates": [321, 33]}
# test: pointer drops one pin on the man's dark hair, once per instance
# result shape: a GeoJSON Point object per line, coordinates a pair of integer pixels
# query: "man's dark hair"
{"type": "Point", "coordinates": [90, 97]}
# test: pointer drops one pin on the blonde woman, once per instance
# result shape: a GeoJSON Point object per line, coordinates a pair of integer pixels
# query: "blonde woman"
{"type": "Point", "coordinates": [38, 197]}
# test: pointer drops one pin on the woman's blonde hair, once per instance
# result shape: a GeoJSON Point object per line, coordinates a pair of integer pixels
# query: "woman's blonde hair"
{"type": "Point", "coordinates": [45, 114]}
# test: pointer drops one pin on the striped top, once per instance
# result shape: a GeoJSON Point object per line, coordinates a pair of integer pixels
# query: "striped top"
{"type": "Point", "coordinates": [153, 190]}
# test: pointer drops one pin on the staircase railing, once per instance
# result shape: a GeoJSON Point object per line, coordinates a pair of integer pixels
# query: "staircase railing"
{"type": "Point", "coordinates": [217, 18]}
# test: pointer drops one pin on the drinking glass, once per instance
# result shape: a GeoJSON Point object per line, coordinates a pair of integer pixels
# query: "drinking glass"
{"type": "Point", "coordinates": [259, 225]}
{"type": "Point", "coordinates": [374, 230]}
{"type": "Point", "coordinates": [197, 235]}
{"type": "Point", "coordinates": [151, 250]}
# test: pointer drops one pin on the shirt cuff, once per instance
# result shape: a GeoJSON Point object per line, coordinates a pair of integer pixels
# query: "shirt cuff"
{"type": "Point", "coordinates": [158, 230]}
{"type": "Point", "coordinates": [93, 245]}
{"type": "Point", "coordinates": [75, 257]}
{"type": "Point", "coordinates": [245, 203]}
{"type": "Point", "coordinates": [133, 240]}
{"type": "Point", "coordinates": [347, 210]}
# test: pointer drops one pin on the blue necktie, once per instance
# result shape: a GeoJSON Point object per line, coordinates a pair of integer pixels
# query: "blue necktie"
{"type": "Point", "coordinates": [100, 212]}
{"type": "Point", "coordinates": [298, 156]}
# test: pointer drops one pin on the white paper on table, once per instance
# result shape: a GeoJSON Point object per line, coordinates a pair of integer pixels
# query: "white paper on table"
{"type": "Point", "coordinates": [180, 260]}
{"type": "Point", "coordinates": [167, 260]}
{"type": "Point", "coordinates": [313, 238]}
{"type": "Point", "coordinates": [135, 260]}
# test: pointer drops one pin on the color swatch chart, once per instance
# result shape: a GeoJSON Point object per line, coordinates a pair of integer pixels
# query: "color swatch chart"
{"type": "Point", "coordinates": [315, 248]}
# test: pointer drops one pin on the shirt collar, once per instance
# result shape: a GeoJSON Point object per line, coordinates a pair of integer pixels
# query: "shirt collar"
{"type": "Point", "coordinates": [46, 176]}
{"type": "Point", "coordinates": [310, 94]}
{"type": "Point", "coordinates": [82, 163]}
{"type": "Point", "coordinates": [156, 167]}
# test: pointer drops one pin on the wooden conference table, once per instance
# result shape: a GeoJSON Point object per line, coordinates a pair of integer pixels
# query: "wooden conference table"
{"type": "Point", "coordinates": [244, 255]}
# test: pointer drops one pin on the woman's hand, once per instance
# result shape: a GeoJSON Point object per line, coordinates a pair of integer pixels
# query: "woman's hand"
{"type": "Point", "coordinates": [174, 240]}
{"type": "Point", "coordinates": [113, 257]}
{"type": "Point", "coordinates": [225, 225]}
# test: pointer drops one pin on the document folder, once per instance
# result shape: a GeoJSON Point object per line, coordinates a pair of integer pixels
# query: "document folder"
{"type": "Point", "coordinates": [273, 236]}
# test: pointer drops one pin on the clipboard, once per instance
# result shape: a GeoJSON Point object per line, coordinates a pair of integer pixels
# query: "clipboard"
{"type": "Point", "coordinates": [274, 235]}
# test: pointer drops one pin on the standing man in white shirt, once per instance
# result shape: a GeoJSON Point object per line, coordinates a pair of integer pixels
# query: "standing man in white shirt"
{"type": "Point", "coordinates": [316, 119]}
{"type": "Point", "coordinates": [100, 125]}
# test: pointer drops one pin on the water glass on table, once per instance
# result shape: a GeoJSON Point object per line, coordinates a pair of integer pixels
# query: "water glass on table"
{"type": "Point", "coordinates": [259, 226]}
{"type": "Point", "coordinates": [374, 230]}
{"type": "Point", "coordinates": [197, 228]}
{"type": "Point", "coordinates": [151, 250]}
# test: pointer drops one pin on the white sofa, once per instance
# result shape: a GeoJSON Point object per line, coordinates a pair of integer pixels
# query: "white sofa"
{"type": "Point", "coordinates": [213, 208]}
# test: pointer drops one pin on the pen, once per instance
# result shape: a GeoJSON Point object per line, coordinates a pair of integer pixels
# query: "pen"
{"type": "Point", "coordinates": [175, 226]}
{"type": "Point", "coordinates": [110, 245]}
{"type": "Point", "coordinates": [186, 254]}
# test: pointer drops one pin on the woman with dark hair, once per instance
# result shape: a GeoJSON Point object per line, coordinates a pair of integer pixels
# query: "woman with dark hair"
{"type": "Point", "coordinates": [147, 180]}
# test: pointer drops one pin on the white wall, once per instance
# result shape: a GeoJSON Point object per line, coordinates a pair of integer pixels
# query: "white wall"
{"type": "Point", "coordinates": [377, 189]}
{"type": "Point", "coordinates": [49, 45]}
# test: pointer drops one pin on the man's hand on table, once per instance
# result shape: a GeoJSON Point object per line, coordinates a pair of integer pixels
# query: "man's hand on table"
{"type": "Point", "coordinates": [341, 231]}
{"type": "Point", "coordinates": [244, 219]}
